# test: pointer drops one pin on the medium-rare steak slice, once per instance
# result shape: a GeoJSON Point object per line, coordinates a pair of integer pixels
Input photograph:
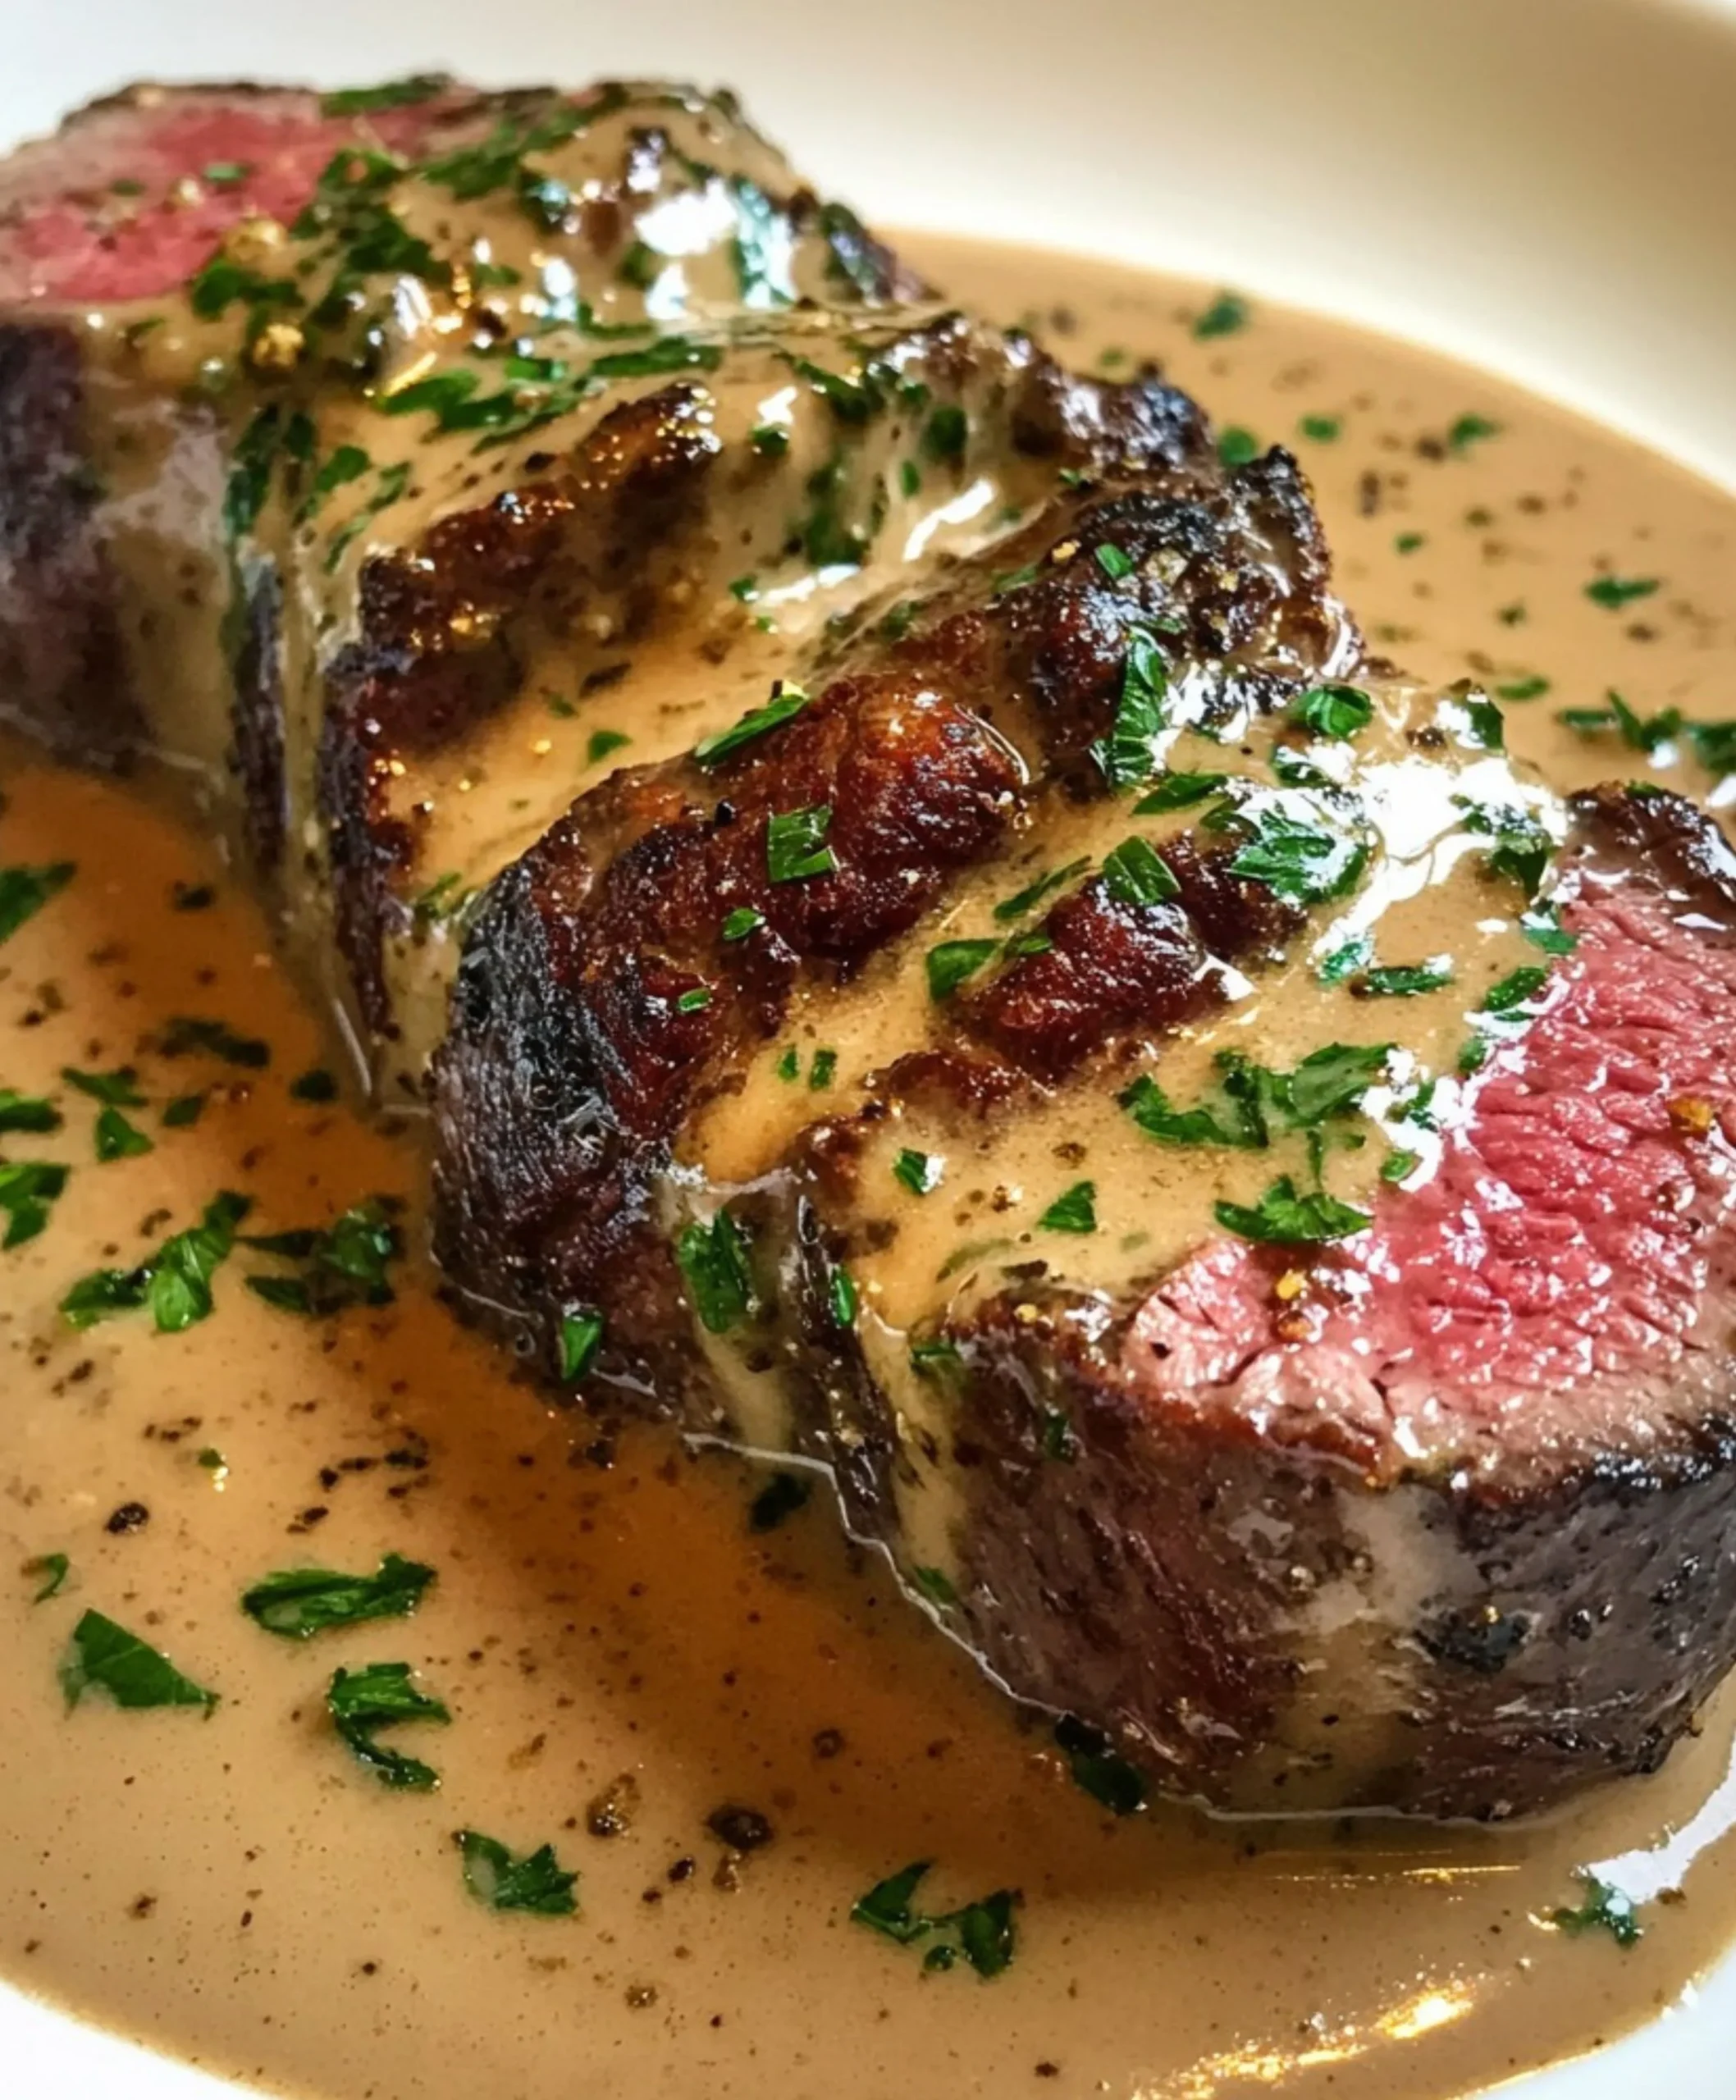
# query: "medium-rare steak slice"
{"type": "Point", "coordinates": [1230, 1174]}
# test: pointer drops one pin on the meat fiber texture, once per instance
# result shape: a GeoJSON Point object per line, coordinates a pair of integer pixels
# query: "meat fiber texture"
{"type": "Point", "coordinates": [1430, 1515]}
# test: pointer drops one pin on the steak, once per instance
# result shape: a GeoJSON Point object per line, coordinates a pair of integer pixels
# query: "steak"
{"type": "Point", "coordinates": [950, 1052]}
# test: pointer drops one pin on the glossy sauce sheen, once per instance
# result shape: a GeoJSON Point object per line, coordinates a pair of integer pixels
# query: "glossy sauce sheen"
{"type": "Point", "coordinates": [238, 1890]}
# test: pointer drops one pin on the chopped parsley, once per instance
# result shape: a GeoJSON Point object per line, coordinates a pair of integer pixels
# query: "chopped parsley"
{"type": "Point", "coordinates": [381, 1696]}
{"type": "Point", "coordinates": [1532, 687]}
{"type": "Point", "coordinates": [1237, 447]}
{"type": "Point", "coordinates": [1470, 430]}
{"type": "Point", "coordinates": [1346, 960]}
{"type": "Point", "coordinates": [222, 283]}
{"type": "Point", "coordinates": [297, 1603]}
{"type": "Point", "coordinates": [1032, 894]}
{"type": "Point", "coordinates": [1541, 926]}
{"type": "Point", "coordinates": [980, 1932]}
{"type": "Point", "coordinates": [936, 1358]}
{"type": "Point", "coordinates": [1255, 1103]}
{"type": "Point", "coordinates": [742, 922]}
{"type": "Point", "coordinates": [952, 962]}
{"type": "Point", "coordinates": [1406, 980]}
{"type": "Point", "coordinates": [52, 1569]}
{"type": "Point", "coordinates": [770, 441]}
{"type": "Point", "coordinates": [104, 1657]}
{"type": "Point", "coordinates": [1605, 1909]}
{"type": "Point", "coordinates": [795, 843]}
{"type": "Point", "coordinates": [1715, 745]}
{"type": "Point", "coordinates": [174, 1283]}
{"type": "Point", "coordinates": [581, 1338]}
{"type": "Point", "coordinates": [918, 1171]}
{"type": "Point", "coordinates": [1103, 1775]}
{"type": "Point", "coordinates": [1336, 711]}
{"type": "Point", "coordinates": [786, 702]}
{"type": "Point", "coordinates": [25, 891]}
{"type": "Point", "coordinates": [390, 486]}
{"type": "Point", "coordinates": [391, 94]}
{"type": "Point", "coordinates": [935, 1585]}
{"type": "Point", "coordinates": [536, 1881]}
{"type": "Point", "coordinates": [948, 433]}
{"type": "Point", "coordinates": [1613, 592]}
{"type": "Point", "coordinates": [1303, 862]}
{"type": "Point", "coordinates": [117, 1138]}
{"type": "Point", "coordinates": [1287, 1217]}
{"type": "Point", "coordinates": [822, 1071]}
{"type": "Point", "coordinates": [1321, 429]}
{"type": "Point", "coordinates": [1126, 757]}
{"type": "Point", "coordinates": [1180, 791]}
{"type": "Point", "coordinates": [31, 1112]}
{"type": "Point", "coordinates": [315, 1085]}
{"type": "Point", "coordinates": [1516, 990]}
{"type": "Point", "coordinates": [1113, 563]}
{"type": "Point", "coordinates": [187, 1035]}
{"type": "Point", "coordinates": [777, 1501]}
{"type": "Point", "coordinates": [1226, 316]}
{"type": "Point", "coordinates": [602, 742]}
{"type": "Point", "coordinates": [183, 1111]}
{"type": "Point", "coordinates": [347, 463]}
{"type": "Point", "coordinates": [1646, 733]}
{"type": "Point", "coordinates": [444, 900]}
{"type": "Point", "coordinates": [713, 1260]}
{"type": "Point", "coordinates": [339, 1266]}
{"type": "Point", "coordinates": [841, 1297]}
{"type": "Point", "coordinates": [1407, 543]}
{"type": "Point", "coordinates": [1074, 1211]}
{"type": "Point", "coordinates": [1522, 849]}
{"type": "Point", "coordinates": [27, 1189]}
{"type": "Point", "coordinates": [694, 1000]}
{"type": "Point", "coordinates": [1136, 874]}
{"type": "Point", "coordinates": [116, 1090]}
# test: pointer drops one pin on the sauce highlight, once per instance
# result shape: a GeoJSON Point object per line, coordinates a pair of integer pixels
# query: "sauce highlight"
{"type": "Point", "coordinates": [629, 1664]}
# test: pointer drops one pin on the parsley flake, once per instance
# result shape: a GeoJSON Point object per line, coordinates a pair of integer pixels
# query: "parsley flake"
{"type": "Point", "coordinates": [1613, 592]}
{"type": "Point", "coordinates": [918, 1171]}
{"type": "Point", "coordinates": [1136, 875]}
{"type": "Point", "coordinates": [381, 1696]}
{"type": "Point", "coordinates": [297, 1603]}
{"type": "Point", "coordinates": [795, 847]}
{"type": "Point", "coordinates": [25, 891]}
{"type": "Point", "coordinates": [1284, 1216]}
{"type": "Point", "coordinates": [713, 1260]}
{"type": "Point", "coordinates": [1074, 1211]}
{"type": "Point", "coordinates": [787, 701]}
{"type": "Point", "coordinates": [104, 1657]}
{"type": "Point", "coordinates": [537, 1882]}
{"type": "Point", "coordinates": [952, 962]}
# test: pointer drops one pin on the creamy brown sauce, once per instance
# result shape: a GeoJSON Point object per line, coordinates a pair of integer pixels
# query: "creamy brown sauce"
{"type": "Point", "coordinates": [238, 1890]}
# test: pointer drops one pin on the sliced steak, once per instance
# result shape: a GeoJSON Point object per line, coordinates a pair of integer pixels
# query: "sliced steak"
{"type": "Point", "coordinates": [948, 1051]}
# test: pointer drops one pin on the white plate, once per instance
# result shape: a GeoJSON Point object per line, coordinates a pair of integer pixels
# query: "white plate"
{"type": "Point", "coordinates": [1545, 187]}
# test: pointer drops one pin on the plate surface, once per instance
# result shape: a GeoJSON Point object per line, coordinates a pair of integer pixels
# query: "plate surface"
{"type": "Point", "coordinates": [1548, 190]}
